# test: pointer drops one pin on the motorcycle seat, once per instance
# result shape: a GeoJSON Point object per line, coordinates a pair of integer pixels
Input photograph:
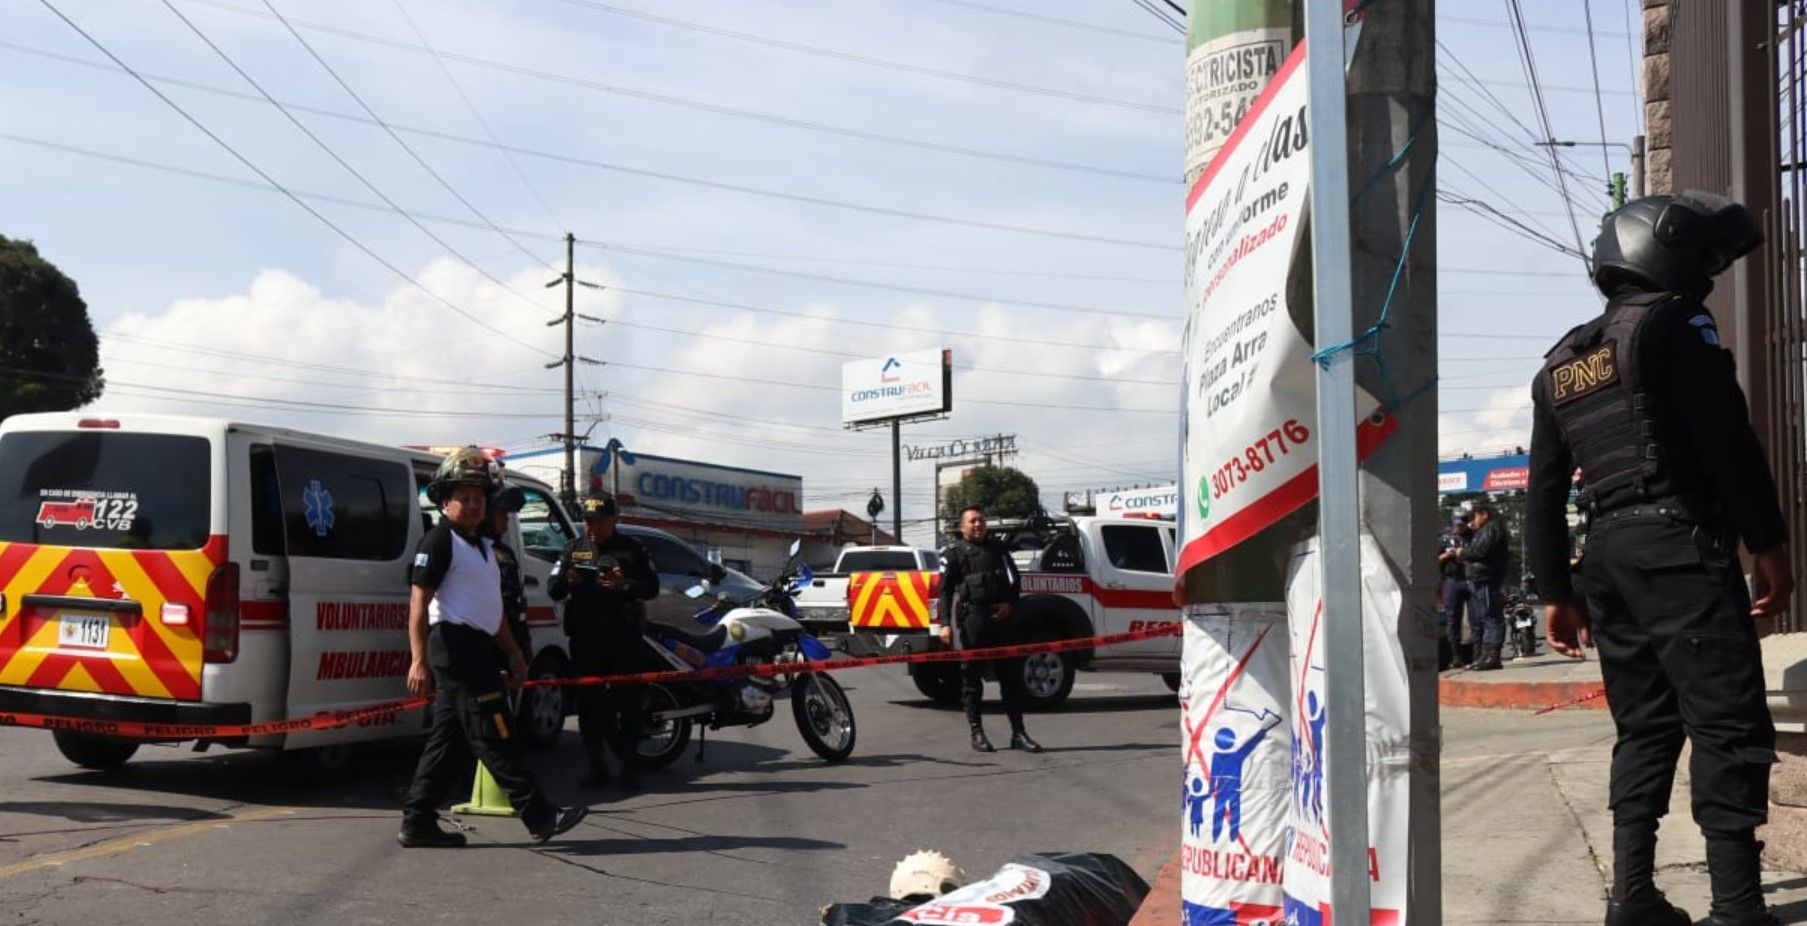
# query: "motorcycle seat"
{"type": "Point", "coordinates": [707, 641]}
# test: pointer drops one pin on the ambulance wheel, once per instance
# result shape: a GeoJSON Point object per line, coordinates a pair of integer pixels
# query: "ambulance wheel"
{"type": "Point", "coordinates": [661, 741]}
{"type": "Point", "coordinates": [541, 716]}
{"type": "Point", "coordinates": [939, 682]}
{"type": "Point", "coordinates": [1048, 680]}
{"type": "Point", "coordinates": [332, 762]}
{"type": "Point", "coordinates": [1172, 679]}
{"type": "Point", "coordinates": [101, 753]}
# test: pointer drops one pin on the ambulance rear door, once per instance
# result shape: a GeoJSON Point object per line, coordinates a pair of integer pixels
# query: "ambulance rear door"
{"type": "Point", "coordinates": [350, 524]}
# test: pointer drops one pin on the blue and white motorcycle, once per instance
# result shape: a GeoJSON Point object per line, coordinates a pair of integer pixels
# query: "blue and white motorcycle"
{"type": "Point", "coordinates": [759, 629]}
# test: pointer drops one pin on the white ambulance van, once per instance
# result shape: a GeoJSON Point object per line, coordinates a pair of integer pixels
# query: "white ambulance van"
{"type": "Point", "coordinates": [189, 571]}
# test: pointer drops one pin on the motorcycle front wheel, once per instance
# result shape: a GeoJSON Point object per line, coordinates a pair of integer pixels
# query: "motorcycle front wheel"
{"type": "Point", "coordinates": [824, 716]}
{"type": "Point", "coordinates": [661, 740]}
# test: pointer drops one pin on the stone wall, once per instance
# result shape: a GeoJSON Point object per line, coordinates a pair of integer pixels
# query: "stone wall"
{"type": "Point", "coordinates": [1659, 174]}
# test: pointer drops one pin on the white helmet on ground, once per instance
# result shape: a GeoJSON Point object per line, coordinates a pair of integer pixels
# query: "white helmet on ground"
{"type": "Point", "coordinates": [925, 873]}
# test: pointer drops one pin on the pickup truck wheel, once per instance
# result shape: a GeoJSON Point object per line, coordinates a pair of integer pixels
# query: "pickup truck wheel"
{"type": "Point", "coordinates": [1048, 680]}
{"type": "Point", "coordinates": [939, 682]}
{"type": "Point", "coordinates": [101, 753]}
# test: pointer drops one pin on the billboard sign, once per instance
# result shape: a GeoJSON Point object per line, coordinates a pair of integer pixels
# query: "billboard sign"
{"type": "Point", "coordinates": [897, 386]}
{"type": "Point", "coordinates": [685, 490]}
{"type": "Point", "coordinates": [1507, 473]}
{"type": "Point", "coordinates": [1161, 502]}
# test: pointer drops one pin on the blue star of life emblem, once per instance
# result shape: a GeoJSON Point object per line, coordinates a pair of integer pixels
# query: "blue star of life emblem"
{"type": "Point", "coordinates": [319, 510]}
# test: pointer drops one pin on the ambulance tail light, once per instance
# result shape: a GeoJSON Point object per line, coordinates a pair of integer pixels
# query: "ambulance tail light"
{"type": "Point", "coordinates": [219, 622]}
{"type": "Point", "coordinates": [111, 424]}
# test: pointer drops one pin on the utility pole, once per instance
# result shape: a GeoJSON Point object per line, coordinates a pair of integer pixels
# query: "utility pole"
{"type": "Point", "coordinates": [567, 480]}
{"type": "Point", "coordinates": [1392, 108]}
{"type": "Point", "coordinates": [896, 480]}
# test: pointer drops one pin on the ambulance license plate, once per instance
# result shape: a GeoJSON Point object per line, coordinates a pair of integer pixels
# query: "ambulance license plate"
{"type": "Point", "coordinates": [84, 631]}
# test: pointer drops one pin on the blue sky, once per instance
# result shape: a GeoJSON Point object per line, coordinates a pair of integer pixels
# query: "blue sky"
{"type": "Point", "coordinates": [1066, 268]}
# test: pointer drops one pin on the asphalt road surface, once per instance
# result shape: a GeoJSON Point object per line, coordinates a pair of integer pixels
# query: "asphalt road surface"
{"type": "Point", "coordinates": [760, 832]}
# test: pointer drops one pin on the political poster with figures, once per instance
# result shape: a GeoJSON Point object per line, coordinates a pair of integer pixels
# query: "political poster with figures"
{"type": "Point", "coordinates": [1248, 400]}
{"type": "Point", "coordinates": [1235, 735]}
{"type": "Point", "coordinates": [1388, 728]}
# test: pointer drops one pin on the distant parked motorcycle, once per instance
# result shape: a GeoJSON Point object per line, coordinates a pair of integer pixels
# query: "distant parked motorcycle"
{"type": "Point", "coordinates": [1521, 625]}
{"type": "Point", "coordinates": [761, 629]}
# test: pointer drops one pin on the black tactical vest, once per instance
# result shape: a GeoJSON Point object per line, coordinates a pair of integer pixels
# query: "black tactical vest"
{"type": "Point", "coordinates": [1603, 406]}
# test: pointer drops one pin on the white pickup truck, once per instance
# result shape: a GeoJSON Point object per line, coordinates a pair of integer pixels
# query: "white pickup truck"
{"type": "Point", "coordinates": [822, 606]}
{"type": "Point", "coordinates": [1081, 577]}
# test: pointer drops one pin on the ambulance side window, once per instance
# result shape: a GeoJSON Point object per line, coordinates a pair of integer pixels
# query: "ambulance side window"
{"type": "Point", "coordinates": [1134, 548]}
{"type": "Point", "coordinates": [543, 533]}
{"type": "Point", "coordinates": [266, 503]}
{"type": "Point", "coordinates": [337, 506]}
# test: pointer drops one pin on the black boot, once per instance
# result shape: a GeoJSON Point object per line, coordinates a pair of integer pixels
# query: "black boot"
{"type": "Point", "coordinates": [1020, 740]}
{"type": "Point", "coordinates": [980, 742]}
{"type": "Point", "coordinates": [1734, 864]}
{"type": "Point", "coordinates": [1489, 661]}
{"type": "Point", "coordinates": [428, 836]}
{"type": "Point", "coordinates": [1635, 899]}
{"type": "Point", "coordinates": [630, 776]}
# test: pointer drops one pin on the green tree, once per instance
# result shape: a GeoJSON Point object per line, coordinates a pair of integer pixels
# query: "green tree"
{"type": "Point", "coordinates": [49, 356]}
{"type": "Point", "coordinates": [1002, 491]}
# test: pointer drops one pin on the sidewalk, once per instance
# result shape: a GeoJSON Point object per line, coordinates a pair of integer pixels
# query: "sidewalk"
{"type": "Point", "coordinates": [1527, 837]}
{"type": "Point", "coordinates": [1533, 683]}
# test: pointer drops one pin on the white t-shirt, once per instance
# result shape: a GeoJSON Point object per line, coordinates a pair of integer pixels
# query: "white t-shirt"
{"type": "Point", "coordinates": [465, 579]}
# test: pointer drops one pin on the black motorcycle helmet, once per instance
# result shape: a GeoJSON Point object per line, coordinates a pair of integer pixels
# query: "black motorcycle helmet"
{"type": "Point", "coordinates": [1672, 242]}
{"type": "Point", "coordinates": [467, 466]}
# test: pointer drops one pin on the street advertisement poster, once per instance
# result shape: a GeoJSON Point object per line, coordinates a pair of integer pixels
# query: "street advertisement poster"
{"type": "Point", "coordinates": [1248, 400]}
{"type": "Point", "coordinates": [1306, 871]}
{"type": "Point", "coordinates": [1224, 77]}
{"type": "Point", "coordinates": [1235, 735]}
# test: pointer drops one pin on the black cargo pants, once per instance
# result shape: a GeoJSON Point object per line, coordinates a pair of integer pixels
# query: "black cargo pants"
{"type": "Point", "coordinates": [608, 716]}
{"type": "Point", "coordinates": [1679, 655]}
{"type": "Point", "coordinates": [978, 629]}
{"type": "Point", "coordinates": [471, 720]}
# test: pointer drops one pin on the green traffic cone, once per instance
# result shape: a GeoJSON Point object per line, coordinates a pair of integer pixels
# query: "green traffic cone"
{"type": "Point", "coordinates": [487, 799]}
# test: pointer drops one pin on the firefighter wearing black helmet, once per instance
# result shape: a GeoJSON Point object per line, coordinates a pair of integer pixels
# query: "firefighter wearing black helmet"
{"type": "Point", "coordinates": [1645, 402]}
{"type": "Point", "coordinates": [460, 645]}
{"type": "Point", "coordinates": [509, 500]}
{"type": "Point", "coordinates": [604, 578]}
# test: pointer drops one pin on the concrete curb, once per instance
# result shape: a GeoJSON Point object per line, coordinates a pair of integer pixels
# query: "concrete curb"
{"type": "Point", "coordinates": [1456, 691]}
{"type": "Point", "coordinates": [1162, 906]}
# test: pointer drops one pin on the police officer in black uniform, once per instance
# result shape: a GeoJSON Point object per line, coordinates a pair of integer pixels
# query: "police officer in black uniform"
{"type": "Point", "coordinates": [1453, 592]}
{"type": "Point", "coordinates": [1645, 402]}
{"type": "Point", "coordinates": [607, 576]}
{"type": "Point", "coordinates": [509, 500]}
{"type": "Point", "coordinates": [460, 647]}
{"type": "Point", "coordinates": [979, 590]}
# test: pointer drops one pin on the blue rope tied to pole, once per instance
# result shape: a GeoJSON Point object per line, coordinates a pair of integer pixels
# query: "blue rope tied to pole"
{"type": "Point", "coordinates": [1368, 342]}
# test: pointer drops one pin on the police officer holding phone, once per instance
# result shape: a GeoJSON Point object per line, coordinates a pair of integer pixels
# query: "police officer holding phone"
{"type": "Point", "coordinates": [1645, 402]}
{"type": "Point", "coordinates": [607, 576]}
{"type": "Point", "coordinates": [460, 647]}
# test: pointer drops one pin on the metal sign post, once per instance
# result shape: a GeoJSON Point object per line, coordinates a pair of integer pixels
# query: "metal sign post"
{"type": "Point", "coordinates": [1338, 513]}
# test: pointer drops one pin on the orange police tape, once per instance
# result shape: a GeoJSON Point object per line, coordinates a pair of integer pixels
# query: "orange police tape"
{"type": "Point", "coordinates": [329, 720]}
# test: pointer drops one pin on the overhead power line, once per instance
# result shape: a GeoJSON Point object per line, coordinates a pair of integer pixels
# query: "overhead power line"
{"type": "Point", "coordinates": [870, 60]}
{"type": "Point", "coordinates": [1057, 21]}
{"type": "Point", "coordinates": [248, 163]}
{"type": "Point", "coordinates": [1593, 59]}
{"type": "Point", "coordinates": [1529, 61]}
{"type": "Point", "coordinates": [402, 143]}
{"type": "Point", "coordinates": [337, 159]}
{"type": "Point", "coordinates": [1160, 14]}
{"type": "Point", "coordinates": [689, 103]}
{"type": "Point", "coordinates": [709, 183]}
{"type": "Point", "coordinates": [476, 114]}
